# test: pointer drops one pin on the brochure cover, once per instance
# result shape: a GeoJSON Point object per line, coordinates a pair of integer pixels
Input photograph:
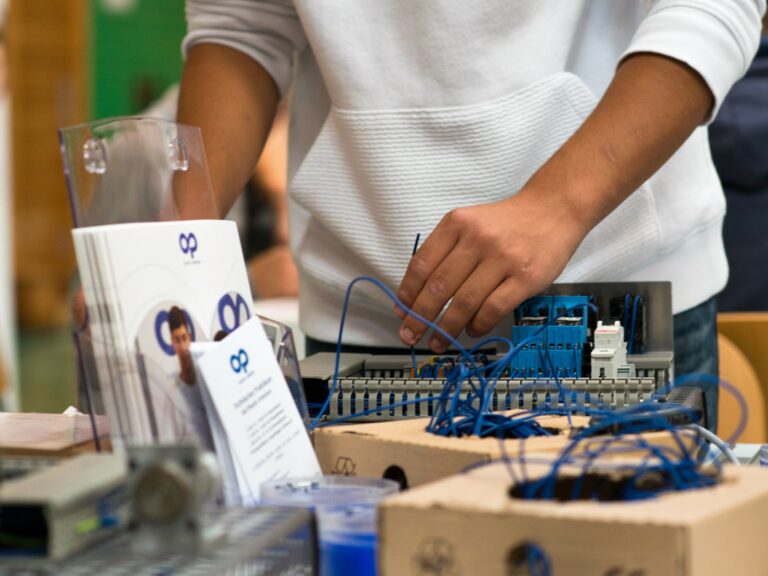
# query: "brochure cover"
{"type": "Point", "coordinates": [253, 409]}
{"type": "Point", "coordinates": [152, 289]}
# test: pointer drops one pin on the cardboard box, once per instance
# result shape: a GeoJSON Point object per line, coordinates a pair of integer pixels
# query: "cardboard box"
{"type": "Point", "coordinates": [404, 451]}
{"type": "Point", "coordinates": [469, 525]}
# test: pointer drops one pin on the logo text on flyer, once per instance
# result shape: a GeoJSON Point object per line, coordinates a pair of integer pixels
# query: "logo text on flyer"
{"type": "Point", "coordinates": [188, 244]}
{"type": "Point", "coordinates": [239, 362]}
{"type": "Point", "coordinates": [233, 312]}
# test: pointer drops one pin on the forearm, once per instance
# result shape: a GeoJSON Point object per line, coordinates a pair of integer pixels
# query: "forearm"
{"type": "Point", "coordinates": [489, 258]}
{"type": "Point", "coordinates": [233, 100]}
{"type": "Point", "coordinates": [652, 106]}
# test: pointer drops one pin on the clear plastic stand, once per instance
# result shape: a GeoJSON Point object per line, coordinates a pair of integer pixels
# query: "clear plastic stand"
{"type": "Point", "coordinates": [127, 170]}
{"type": "Point", "coordinates": [281, 337]}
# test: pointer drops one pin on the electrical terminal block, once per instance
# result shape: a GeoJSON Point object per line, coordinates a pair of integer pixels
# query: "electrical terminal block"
{"type": "Point", "coordinates": [552, 332]}
{"type": "Point", "coordinates": [377, 399]}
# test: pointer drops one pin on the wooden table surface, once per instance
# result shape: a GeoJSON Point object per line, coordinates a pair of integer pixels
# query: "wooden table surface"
{"type": "Point", "coordinates": [33, 434]}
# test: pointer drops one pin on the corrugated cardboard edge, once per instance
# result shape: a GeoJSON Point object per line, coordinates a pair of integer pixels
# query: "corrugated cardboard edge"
{"type": "Point", "coordinates": [404, 449]}
{"type": "Point", "coordinates": [712, 531]}
{"type": "Point", "coordinates": [375, 448]}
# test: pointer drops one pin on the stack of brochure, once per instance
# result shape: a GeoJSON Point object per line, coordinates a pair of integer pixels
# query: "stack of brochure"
{"type": "Point", "coordinates": [151, 290]}
{"type": "Point", "coordinates": [257, 429]}
{"type": "Point", "coordinates": [178, 355]}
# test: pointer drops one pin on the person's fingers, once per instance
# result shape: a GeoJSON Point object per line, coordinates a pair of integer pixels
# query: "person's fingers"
{"type": "Point", "coordinates": [434, 250]}
{"type": "Point", "coordinates": [465, 304]}
{"type": "Point", "coordinates": [439, 288]}
{"type": "Point", "coordinates": [502, 301]}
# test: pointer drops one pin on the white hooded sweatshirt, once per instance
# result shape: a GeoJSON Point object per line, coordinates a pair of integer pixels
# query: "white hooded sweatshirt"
{"type": "Point", "coordinates": [405, 109]}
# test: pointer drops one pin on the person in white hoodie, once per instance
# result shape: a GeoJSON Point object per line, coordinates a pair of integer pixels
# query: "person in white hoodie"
{"type": "Point", "coordinates": [528, 141]}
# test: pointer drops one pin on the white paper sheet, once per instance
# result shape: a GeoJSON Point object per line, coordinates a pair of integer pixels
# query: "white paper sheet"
{"type": "Point", "coordinates": [133, 276]}
{"type": "Point", "coordinates": [264, 430]}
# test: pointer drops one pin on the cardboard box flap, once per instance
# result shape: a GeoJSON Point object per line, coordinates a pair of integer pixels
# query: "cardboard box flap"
{"type": "Point", "coordinates": [468, 524]}
{"type": "Point", "coordinates": [404, 451]}
{"type": "Point", "coordinates": [738, 487]}
{"type": "Point", "coordinates": [404, 431]}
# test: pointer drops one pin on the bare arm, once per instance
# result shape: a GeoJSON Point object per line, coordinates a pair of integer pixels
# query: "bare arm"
{"type": "Point", "coordinates": [233, 99]}
{"type": "Point", "coordinates": [491, 257]}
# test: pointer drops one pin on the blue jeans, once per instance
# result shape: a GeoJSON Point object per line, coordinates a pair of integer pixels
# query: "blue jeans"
{"type": "Point", "coordinates": [696, 351]}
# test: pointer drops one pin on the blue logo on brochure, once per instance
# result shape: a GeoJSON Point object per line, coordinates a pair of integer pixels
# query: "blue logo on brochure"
{"type": "Point", "coordinates": [239, 361]}
{"type": "Point", "coordinates": [188, 243]}
{"type": "Point", "coordinates": [239, 309]}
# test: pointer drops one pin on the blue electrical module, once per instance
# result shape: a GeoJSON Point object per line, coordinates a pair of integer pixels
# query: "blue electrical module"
{"type": "Point", "coordinates": [552, 332]}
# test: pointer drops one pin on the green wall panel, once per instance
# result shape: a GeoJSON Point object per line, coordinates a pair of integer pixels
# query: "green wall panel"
{"type": "Point", "coordinates": [136, 53]}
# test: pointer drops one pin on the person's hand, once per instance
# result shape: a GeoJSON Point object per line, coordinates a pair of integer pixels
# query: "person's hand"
{"type": "Point", "coordinates": [272, 273]}
{"type": "Point", "coordinates": [187, 373]}
{"type": "Point", "coordinates": [487, 259]}
{"type": "Point", "coordinates": [79, 310]}
{"type": "Point", "coordinates": [490, 258]}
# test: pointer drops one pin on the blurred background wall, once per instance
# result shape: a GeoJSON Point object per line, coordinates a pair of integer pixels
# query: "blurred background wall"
{"type": "Point", "coordinates": [8, 362]}
{"type": "Point", "coordinates": [136, 53]}
{"type": "Point", "coordinates": [63, 62]}
{"type": "Point", "coordinates": [69, 61]}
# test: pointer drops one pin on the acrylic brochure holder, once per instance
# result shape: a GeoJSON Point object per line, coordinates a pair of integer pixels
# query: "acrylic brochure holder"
{"type": "Point", "coordinates": [129, 170]}
{"type": "Point", "coordinates": [281, 337]}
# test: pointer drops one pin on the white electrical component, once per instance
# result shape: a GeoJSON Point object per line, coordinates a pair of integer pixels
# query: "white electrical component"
{"type": "Point", "coordinates": [609, 356]}
{"type": "Point", "coordinates": [62, 509]}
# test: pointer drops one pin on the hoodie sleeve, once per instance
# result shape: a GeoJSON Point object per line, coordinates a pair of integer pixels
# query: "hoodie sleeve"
{"type": "Point", "coordinates": [717, 38]}
{"type": "Point", "coordinates": [268, 31]}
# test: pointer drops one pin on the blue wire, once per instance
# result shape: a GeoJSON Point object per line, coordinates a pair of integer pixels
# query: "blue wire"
{"type": "Point", "coordinates": [536, 559]}
{"type": "Point", "coordinates": [458, 417]}
{"type": "Point", "coordinates": [413, 352]}
{"type": "Point", "coordinates": [625, 320]}
{"type": "Point", "coordinates": [711, 379]}
{"type": "Point", "coordinates": [631, 339]}
{"type": "Point", "coordinates": [680, 467]}
{"type": "Point", "coordinates": [444, 419]}
{"type": "Point", "coordinates": [407, 310]}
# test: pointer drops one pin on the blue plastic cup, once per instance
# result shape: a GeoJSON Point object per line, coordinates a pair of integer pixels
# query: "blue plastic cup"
{"type": "Point", "coordinates": [346, 515]}
{"type": "Point", "coordinates": [348, 540]}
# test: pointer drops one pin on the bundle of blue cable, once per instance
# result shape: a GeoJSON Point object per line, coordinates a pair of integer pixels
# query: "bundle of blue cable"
{"type": "Point", "coordinates": [457, 414]}
{"type": "Point", "coordinates": [660, 468]}
{"type": "Point", "coordinates": [653, 469]}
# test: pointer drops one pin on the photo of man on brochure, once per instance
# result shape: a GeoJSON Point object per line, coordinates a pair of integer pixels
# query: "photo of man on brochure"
{"type": "Point", "coordinates": [181, 338]}
{"type": "Point", "coordinates": [183, 381]}
{"type": "Point", "coordinates": [163, 340]}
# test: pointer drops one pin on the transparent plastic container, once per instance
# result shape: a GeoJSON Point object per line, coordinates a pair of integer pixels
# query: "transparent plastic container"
{"type": "Point", "coordinates": [284, 347]}
{"type": "Point", "coordinates": [346, 515]}
{"type": "Point", "coordinates": [128, 170]}
{"type": "Point", "coordinates": [763, 455]}
{"type": "Point", "coordinates": [121, 171]}
{"type": "Point", "coordinates": [134, 169]}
